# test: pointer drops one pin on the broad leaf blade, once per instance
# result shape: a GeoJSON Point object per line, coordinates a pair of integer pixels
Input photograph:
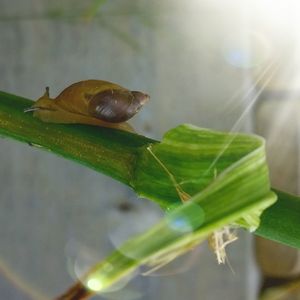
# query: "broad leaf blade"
{"type": "Point", "coordinates": [236, 194]}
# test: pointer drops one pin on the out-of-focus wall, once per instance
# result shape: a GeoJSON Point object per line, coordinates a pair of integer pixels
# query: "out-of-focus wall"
{"type": "Point", "coordinates": [56, 217]}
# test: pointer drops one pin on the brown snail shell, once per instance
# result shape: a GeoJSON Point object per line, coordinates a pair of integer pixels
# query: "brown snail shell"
{"type": "Point", "coordinates": [92, 102]}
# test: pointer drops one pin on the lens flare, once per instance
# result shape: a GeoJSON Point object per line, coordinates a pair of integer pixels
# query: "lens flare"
{"type": "Point", "coordinates": [246, 50]}
{"type": "Point", "coordinates": [94, 284]}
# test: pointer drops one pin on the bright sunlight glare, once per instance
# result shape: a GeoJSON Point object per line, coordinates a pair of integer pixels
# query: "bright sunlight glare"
{"type": "Point", "coordinates": [94, 284]}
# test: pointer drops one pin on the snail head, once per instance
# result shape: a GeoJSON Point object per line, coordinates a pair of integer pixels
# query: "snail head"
{"type": "Point", "coordinates": [43, 103]}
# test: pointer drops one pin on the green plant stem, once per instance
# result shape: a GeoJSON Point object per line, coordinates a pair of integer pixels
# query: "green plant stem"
{"type": "Point", "coordinates": [111, 152]}
{"type": "Point", "coordinates": [114, 153]}
{"type": "Point", "coordinates": [281, 222]}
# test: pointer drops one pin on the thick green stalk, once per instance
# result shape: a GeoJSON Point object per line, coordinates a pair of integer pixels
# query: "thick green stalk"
{"type": "Point", "coordinates": [124, 157]}
{"type": "Point", "coordinates": [223, 175]}
{"type": "Point", "coordinates": [281, 222]}
{"type": "Point", "coordinates": [111, 152]}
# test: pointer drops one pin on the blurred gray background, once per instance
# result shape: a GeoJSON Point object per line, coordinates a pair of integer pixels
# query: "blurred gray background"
{"type": "Point", "coordinates": [201, 62]}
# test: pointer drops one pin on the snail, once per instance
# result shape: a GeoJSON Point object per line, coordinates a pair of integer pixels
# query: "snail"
{"type": "Point", "coordinates": [92, 102]}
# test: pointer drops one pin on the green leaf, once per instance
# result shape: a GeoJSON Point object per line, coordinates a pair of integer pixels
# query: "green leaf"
{"type": "Point", "coordinates": [225, 172]}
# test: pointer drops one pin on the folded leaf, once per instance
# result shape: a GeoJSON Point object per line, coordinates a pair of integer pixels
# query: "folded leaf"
{"type": "Point", "coordinates": [225, 174]}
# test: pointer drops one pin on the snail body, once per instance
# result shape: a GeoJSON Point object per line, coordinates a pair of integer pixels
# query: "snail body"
{"type": "Point", "coordinates": [92, 102]}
